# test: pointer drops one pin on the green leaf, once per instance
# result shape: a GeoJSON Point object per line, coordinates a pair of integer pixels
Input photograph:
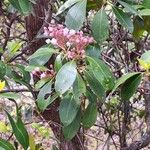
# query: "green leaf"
{"type": "Point", "coordinates": [93, 51]}
{"type": "Point", "coordinates": [6, 145]}
{"type": "Point", "coordinates": [71, 130]}
{"type": "Point", "coordinates": [123, 19]}
{"type": "Point", "coordinates": [91, 96]}
{"type": "Point", "coordinates": [54, 147]}
{"type": "Point", "coordinates": [30, 68]}
{"type": "Point", "coordinates": [147, 23]}
{"type": "Point", "coordinates": [145, 12]}
{"type": "Point", "coordinates": [19, 131]}
{"type": "Point", "coordinates": [146, 57]}
{"type": "Point", "coordinates": [14, 46]}
{"type": "Point", "coordinates": [65, 77]}
{"type": "Point", "coordinates": [15, 4]}
{"type": "Point", "coordinates": [102, 72]}
{"type": "Point", "coordinates": [95, 85]}
{"type": "Point", "coordinates": [79, 88]}
{"type": "Point", "coordinates": [25, 6]}
{"type": "Point", "coordinates": [76, 15]}
{"type": "Point", "coordinates": [138, 27]}
{"type": "Point", "coordinates": [90, 115]}
{"type": "Point", "coordinates": [58, 62]}
{"type": "Point", "coordinates": [128, 7]}
{"type": "Point", "coordinates": [3, 127]}
{"type": "Point", "coordinates": [41, 56]}
{"type": "Point", "coordinates": [2, 70]}
{"type": "Point", "coordinates": [146, 3]}
{"type": "Point", "coordinates": [46, 89]}
{"type": "Point", "coordinates": [41, 82]}
{"type": "Point", "coordinates": [66, 5]}
{"type": "Point", "coordinates": [10, 95]}
{"type": "Point", "coordinates": [32, 142]}
{"type": "Point", "coordinates": [44, 98]}
{"type": "Point", "coordinates": [130, 86]}
{"type": "Point", "coordinates": [68, 110]}
{"type": "Point", "coordinates": [123, 79]}
{"type": "Point", "coordinates": [44, 103]}
{"type": "Point", "coordinates": [100, 26]}
{"type": "Point", "coordinates": [25, 75]}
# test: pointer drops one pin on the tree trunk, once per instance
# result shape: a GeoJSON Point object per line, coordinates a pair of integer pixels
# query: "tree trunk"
{"type": "Point", "coordinates": [34, 23]}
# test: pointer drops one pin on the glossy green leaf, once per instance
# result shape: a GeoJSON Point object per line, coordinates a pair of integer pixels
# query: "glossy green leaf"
{"type": "Point", "coordinates": [93, 51]}
{"type": "Point", "coordinates": [10, 95]}
{"type": "Point", "coordinates": [91, 96]}
{"type": "Point", "coordinates": [41, 83]}
{"type": "Point", "coordinates": [44, 103]}
{"type": "Point", "coordinates": [25, 75]}
{"type": "Point", "coordinates": [65, 77]}
{"type": "Point", "coordinates": [3, 127]}
{"type": "Point", "coordinates": [123, 79]}
{"type": "Point", "coordinates": [54, 147]}
{"type": "Point", "coordinates": [146, 3]}
{"type": "Point", "coordinates": [41, 56]}
{"type": "Point", "coordinates": [128, 7]}
{"type": "Point", "coordinates": [95, 85]}
{"type": "Point", "coordinates": [138, 27]}
{"type": "Point", "coordinates": [130, 86]}
{"type": "Point", "coordinates": [44, 98]}
{"type": "Point", "coordinates": [14, 46]}
{"type": "Point", "coordinates": [32, 143]}
{"type": "Point", "coordinates": [145, 12]}
{"type": "Point", "coordinates": [6, 145]}
{"type": "Point", "coordinates": [68, 110]}
{"type": "Point", "coordinates": [2, 70]}
{"type": "Point", "coordinates": [76, 15]}
{"type": "Point", "coordinates": [58, 63]}
{"type": "Point", "coordinates": [146, 57]}
{"type": "Point", "coordinates": [79, 88]}
{"type": "Point", "coordinates": [71, 130]}
{"type": "Point", "coordinates": [46, 89]}
{"type": "Point", "coordinates": [123, 19]}
{"type": "Point", "coordinates": [15, 4]}
{"type": "Point", "coordinates": [30, 68]}
{"type": "Point", "coordinates": [90, 115]}
{"type": "Point", "coordinates": [100, 26]}
{"type": "Point", "coordinates": [25, 6]}
{"type": "Point", "coordinates": [19, 131]}
{"type": "Point", "coordinates": [147, 23]}
{"type": "Point", "coordinates": [102, 72]}
{"type": "Point", "coordinates": [94, 5]}
{"type": "Point", "coordinates": [66, 5]}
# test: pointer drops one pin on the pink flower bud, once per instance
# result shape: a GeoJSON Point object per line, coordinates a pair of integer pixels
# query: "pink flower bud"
{"type": "Point", "coordinates": [72, 32]}
{"type": "Point", "coordinates": [85, 40]}
{"type": "Point", "coordinates": [48, 41]}
{"type": "Point", "coordinates": [91, 40]}
{"type": "Point", "coordinates": [54, 41]}
{"type": "Point", "coordinates": [68, 44]}
{"type": "Point", "coordinates": [51, 34]}
{"type": "Point", "coordinates": [43, 75]}
{"type": "Point", "coordinates": [50, 29]}
{"type": "Point", "coordinates": [52, 21]}
{"type": "Point", "coordinates": [65, 31]}
{"type": "Point", "coordinates": [34, 72]}
{"type": "Point", "coordinates": [82, 51]}
{"type": "Point", "coordinates": [46, 33]}
{"type": "Point", "coordinates": [37, 69]}
{"type": "Point", "coordinates": [77, 40]}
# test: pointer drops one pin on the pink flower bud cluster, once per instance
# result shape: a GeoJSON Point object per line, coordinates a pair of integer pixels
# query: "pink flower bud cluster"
{"type": "Point", "coordinates": [73, 43]}
{"type": "Point", "coordinates": [50, 73]}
